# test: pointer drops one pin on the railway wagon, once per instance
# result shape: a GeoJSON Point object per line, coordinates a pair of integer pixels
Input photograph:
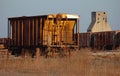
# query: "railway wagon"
{"type": "Point", "coordinates": [102, 40]}
{"type": "Point", "coordinates": [99, 40]}
{"type": "Point", "coordinates": [3, 43]}
{"type": "Point", "coordinates": [39, 32]}
{"type": "Point", "coordinates": [117, 38]}
{"type": "Point", "coordinates": [84, 39]}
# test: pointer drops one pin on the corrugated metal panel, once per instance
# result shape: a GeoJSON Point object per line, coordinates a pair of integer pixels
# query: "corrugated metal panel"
{"type": "Point", "coordinates": [84, 39]}
{"type": "Point", "coordinates": [118, 39]}
{"type": "Point", "coordinates": [41, 30]}
{"type": "Point", "coordinates": [25, 31]}
{"type": "Point", "coordinates": [102, 40]}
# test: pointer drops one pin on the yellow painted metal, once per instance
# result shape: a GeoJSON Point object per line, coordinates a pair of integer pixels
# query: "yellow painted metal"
{"type": "Point", "coordinates": [52, 29]}
{"type": "Point", "coordinates": [58, 31]}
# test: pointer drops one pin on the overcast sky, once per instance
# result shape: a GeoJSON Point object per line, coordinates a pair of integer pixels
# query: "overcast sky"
{"type": "Point", "coordinates": [13, 8]}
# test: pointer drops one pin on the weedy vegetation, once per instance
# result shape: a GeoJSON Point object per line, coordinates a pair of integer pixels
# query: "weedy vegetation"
{"type": "Point", "coordinates": [82, 62]}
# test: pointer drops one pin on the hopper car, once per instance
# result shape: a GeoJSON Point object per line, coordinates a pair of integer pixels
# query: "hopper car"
{"type": "Point", "coordinates": [106, 40]}
{"type": "Point", "coordinates": [41, 32]}
{"type": "Point", "coordinates": [84, 39]}
{"type": "Point", "coordinates": [55, 31]}
{"type": "Point", "coordinates": [102, 40]}
{"type": "Point", "coordinates": [117, 37]}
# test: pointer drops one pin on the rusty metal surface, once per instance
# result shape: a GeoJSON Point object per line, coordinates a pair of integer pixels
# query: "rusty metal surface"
{"type": "Point", "coordinates": [118, 39]}
{"type": "Point", "coordinates": [84, 39]}
{"type": "Point", "coordinates": [25, 31]}
{"type": "Point", "coordinates": [101, 40]}
{"type": "Point", "coordinates": [36, 31]}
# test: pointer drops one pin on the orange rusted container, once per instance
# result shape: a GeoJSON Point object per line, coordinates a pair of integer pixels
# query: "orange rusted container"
{"type": "Point", "coordinates": [85, 39]}
{"type": "Point", "coordinates": [102, 40]}
{"type": "Point", "coordinates": [117, 39]}
{"type": "Point", "coordinates": [45, 30]}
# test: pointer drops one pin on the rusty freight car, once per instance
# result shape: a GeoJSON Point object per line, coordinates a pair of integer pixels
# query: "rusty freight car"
{"type": "Point", "coordinates": [117, 38]}
{"type": "Point", "coordinates": [84, 39]}
{"type": "Point", "coordinates": [102, 40]}
{"type": "Point", "coordinates": [39, 32]}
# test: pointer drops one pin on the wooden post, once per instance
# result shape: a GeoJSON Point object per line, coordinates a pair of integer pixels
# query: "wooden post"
{"type": "Point", "coordinates": [78, 24]}
{"type": "Point", "coordinates": [23, 53]}
{"type": "Point", "coordinates": [37, 53]}
{"type": "Point", "coordinates": [7, 54]}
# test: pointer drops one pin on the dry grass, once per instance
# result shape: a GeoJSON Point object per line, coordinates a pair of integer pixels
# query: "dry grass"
{"type": "Point", "coordinates": [81, 63]}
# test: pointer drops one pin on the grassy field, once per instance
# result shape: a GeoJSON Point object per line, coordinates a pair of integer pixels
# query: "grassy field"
{"type": "Point", "coordinates": [81, 63]}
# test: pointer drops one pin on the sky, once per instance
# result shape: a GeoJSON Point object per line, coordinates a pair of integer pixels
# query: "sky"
{"type": "Point", "coordinates": [15, 8]}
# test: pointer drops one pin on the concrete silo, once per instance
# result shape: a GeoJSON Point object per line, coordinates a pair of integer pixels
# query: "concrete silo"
{"type": "Point", "coordinates": [99, 22]}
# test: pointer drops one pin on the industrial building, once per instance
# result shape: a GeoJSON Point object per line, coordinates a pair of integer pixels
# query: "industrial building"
{"type": "Point", "coordinates": [99, 22]}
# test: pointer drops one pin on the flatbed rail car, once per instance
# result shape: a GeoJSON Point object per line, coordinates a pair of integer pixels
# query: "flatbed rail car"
{"type": "Point", "coordinates": [53, 30]}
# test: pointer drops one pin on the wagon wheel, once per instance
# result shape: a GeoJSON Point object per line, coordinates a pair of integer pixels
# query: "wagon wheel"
{"type": "Point", "coordinates": [48, 52]}
{"type": "Point", "coordinates": [61, 52]}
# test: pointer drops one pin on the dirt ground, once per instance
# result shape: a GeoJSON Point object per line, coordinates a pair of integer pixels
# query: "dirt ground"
{"type": "Point", "coordinates": [81, 63]}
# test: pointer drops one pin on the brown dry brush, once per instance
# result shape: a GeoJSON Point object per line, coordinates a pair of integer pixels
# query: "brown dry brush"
{"type": "Point", "coordinates": [81, 63]}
